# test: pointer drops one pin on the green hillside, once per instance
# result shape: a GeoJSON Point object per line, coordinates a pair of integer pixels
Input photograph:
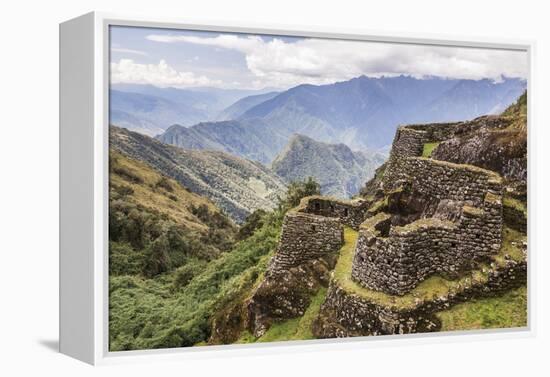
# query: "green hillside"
{"type": "Point", "coordinates": [174, 264]}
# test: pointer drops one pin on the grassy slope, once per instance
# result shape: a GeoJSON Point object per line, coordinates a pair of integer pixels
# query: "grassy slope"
{"type": "Point", "coordinates": [223, 178]}
{"type": "Point", "coordinates": [168, 198]}
{"type": "Point", "coordinates": [173, 308]}
{"type": "Point", "coordinates": [153, 313]}
{"type": "Point", "coordinates": [519, 107]}
{"type": "Point", "coordinates": [506, 311]}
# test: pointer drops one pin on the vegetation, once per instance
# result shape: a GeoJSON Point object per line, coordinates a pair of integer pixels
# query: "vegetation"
{"type": "Point", "coordinates": [516, 204]}
{"type": "Point", "coordinates": [157, 303]}
{"type": "Point", "coordinates": [429, 148]}
{"type": "Point", "coordinates": [173, 310]}
{"type": "Point", "coordinates": [518, 108]}
{"type": "Point", "coordinates": [149, 234]}
{"type": "Point", "coordinates": [296, 191]}
{"type": "Point", "coordinates": [251, 224]}
{"type": "Point", "coordinates": [506, 311]}
{"type": "Point", "coordinates": [293, 329]}
{"type": "Point", "coordinates": [340, 171]}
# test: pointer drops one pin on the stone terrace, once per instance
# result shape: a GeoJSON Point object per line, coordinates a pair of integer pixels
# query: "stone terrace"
{"type": "Point", "coordinates": [461, 223]}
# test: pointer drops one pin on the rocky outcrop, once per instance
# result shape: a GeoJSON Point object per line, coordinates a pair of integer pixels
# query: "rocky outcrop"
{"type": "Point", "coordinates": [286, 293]}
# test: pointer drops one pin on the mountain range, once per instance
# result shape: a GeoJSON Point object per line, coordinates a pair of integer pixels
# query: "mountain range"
{"type": "Point", "coordinates": [249, 138]}
{"type": "Point", "coordinates": [150, 110]}
{"type": "Point", "coordinates": [236, 185]}
{"type": "Point", "coordinates": [340, 171]}
{"type": "Point", "coordinates": [362, 113]}
{"type": "Point", "coordinates": [243, 105]}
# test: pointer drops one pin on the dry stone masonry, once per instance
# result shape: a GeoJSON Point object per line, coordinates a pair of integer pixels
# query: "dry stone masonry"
{"type": "Point", "coordinates": [351, 213]}
{"type": "Point", "coordinates": [345, 314]}
{"type": "Point", "coordinates": [395, 259]}
{"type": "Point", "coordinates": [435, 218]}
{"type": "Point", "coordinates": [306, 237]}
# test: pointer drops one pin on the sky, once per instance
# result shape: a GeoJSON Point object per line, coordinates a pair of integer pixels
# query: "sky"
{"type": "Point", "coordinates": [186, 59]}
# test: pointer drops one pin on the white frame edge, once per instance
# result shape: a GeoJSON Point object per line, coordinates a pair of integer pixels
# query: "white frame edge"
{"type": "Point", "coordinates": [84, 67]}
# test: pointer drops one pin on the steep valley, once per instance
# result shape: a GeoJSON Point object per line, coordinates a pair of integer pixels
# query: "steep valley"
{"type": "Point", "coordinates": [236, 185]}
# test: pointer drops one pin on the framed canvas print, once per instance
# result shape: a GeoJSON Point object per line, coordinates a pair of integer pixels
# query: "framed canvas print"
{"type": "Point", "coordinates": [225, 186]}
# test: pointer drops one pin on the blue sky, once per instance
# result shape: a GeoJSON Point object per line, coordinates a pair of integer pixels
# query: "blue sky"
{"type": "Point", "coordinates": [179, 58]}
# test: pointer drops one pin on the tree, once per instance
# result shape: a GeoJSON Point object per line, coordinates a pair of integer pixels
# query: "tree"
{"type": "Point", "coordinates": [298, 190]}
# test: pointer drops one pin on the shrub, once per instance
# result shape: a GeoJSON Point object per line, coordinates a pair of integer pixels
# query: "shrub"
{"type": "Point", "coordinates": [158, 258]}
{"type": "Point", "coordinates": [123, 259]}
{"type": "Point", "coordinates": [253, 222]}
{"type": "Point", "coordinates": [164, 183]}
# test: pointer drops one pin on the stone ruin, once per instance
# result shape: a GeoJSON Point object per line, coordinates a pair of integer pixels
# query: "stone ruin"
{"type": "Point", "coordinates": [436, 217]}
{"type": "Point", "coordinates": [315, 229]}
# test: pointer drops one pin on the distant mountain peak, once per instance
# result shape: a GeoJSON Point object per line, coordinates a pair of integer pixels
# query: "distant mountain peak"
{"type": "Point", "coordinates": [340, 171]}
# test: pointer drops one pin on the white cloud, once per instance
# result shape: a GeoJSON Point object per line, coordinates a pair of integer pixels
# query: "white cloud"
{"type": "Point", "coordinates": [280, 63]}
{"type": "Point", "coordinates": [129, 72]}
{"type": "Point", "coordinates": [128, 51]}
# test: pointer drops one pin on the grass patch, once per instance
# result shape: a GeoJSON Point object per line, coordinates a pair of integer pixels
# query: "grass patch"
{"type": "Point", "coordinates": [515, 204]}
{"type": "Point", "coordinates": [379, 206]}
{"type": "Point", "coordinates": [429, 148]}
{"type": "Point", "coordinates": [292, 329]}
{"type": "Point", "coordinates": [511, 246]}
{"type": "Point", "coordinates": [506, 311]}
{"type": "Point", "coordinates": [429, 289]}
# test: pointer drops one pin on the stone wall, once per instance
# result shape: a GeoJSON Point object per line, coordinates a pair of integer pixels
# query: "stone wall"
{"type": "Point", "coordinates": [395, 259]}
{"type": "Point", "coordinates": [306, 237]}
{"type": "Point", "coordinates": [351, 213]}
{"type": "Point", "coordinates": [446, 180]}
{"type": "Point", "coordinates": [345, 314]}
{"type": "Point", "coordinates": [306, 254]}
{"type": "Point", "coordinates": [408, 142]}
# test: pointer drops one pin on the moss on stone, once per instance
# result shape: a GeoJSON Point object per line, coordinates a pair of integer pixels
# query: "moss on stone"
{"type": "Point", "coordinates": [472, 211]}
{"type": "Point", "coordinates": [512, 246]}
{"type": "Point", "coordinates": [293, 329]}
{"type": "Point", "coordinates": [493, 177]}
{"type": "Point", "coordinates": [371, 222]}
{"type": "Point", "coordinates": [378, 206]}
{"type": "Point", "coordinates": [427, 223]}
{"type": "Point", "coordinates": [493, 198]}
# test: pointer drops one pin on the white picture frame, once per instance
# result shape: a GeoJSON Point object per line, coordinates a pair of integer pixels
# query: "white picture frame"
{"type": "Point", "coordinates": [84, 83]}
